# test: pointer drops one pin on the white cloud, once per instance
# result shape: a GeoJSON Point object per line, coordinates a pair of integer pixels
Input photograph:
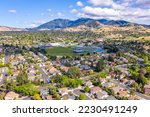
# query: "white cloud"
{"type": "Point", "coordinates": [60, 14]}
{"type": "Point", "coordinates": [49, 10]}
{"type": "Point", "coordinates": [32, 25]}
{"type": "Point", "coordinates": [100, 12]}
{"type": "Point", "coordinates": [129, 14]}
{"type": "Point", "coordinates": [74, 11]}
{"type": "Point", "coordinates": [143, 3]}
{"type": "Point", "coordinates": [117, 6]}
{"type": "Point", "coordinates": [12, 11]}
{"type": "Point", "coordinates": [80, 4]}
{"type": "Point", "coordinates": [101, 2]}
{"type": "Point", "coordinates": [130, 10]}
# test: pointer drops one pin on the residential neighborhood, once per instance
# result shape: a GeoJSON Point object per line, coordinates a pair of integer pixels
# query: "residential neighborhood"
{"type": "Point", "coordinates": [91, 72]}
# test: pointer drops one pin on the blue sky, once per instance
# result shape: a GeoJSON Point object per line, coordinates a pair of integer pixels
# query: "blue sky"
{"type": "Point", "coordinates": [31, 13]}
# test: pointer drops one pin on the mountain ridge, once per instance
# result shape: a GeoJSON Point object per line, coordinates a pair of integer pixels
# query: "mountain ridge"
{"type": "Point", "coordinates": [81, 22]}
{"type": "Point", "coordinates": [66, 23]}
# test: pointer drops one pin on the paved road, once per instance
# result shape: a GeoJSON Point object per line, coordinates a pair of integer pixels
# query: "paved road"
{"type": "Point", "coordinates": [5, 57]}
{"type": "Point", "coordinates": [44, 75]}
{"type": "Point", "coordinates": [128, 88]}
{"type": "Point", "coordinates": [5, 62]}
{"type": "Point", "coordinates": [77, 92]}
{"type": "Point", "coordinates": [121, 85]}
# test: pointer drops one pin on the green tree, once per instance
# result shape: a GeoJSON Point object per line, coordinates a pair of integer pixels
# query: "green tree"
{"type": "Point", "coordinates": [143, 80]}
{"type": "Point", "coordinates": [56, 96]}
{"type": "Point", "coordinates": [27, 89]}
{"type": "Point", "coordinates": [52, 90]}
{"type": "Point", "coordinates": [82, 97]}
{"type": "Point", "coordinates": [12, 85]}
{"type": "Point", "coordinates": [37, 97]}
{"type": "Point", "coordinates": [74, 72]}
{"type": "Point", "coordinates": [22, 78]}
{"type": "Point", "coordinates": [86, 89]}
{"type": "Point", "coordinates": [132, 92]}
{"type": "Point", "coordinates": [102, 74]}
{"type": "Point", "coordinates": [100, 65]}
{"type": "Point", "coordinates": [2, 95]}
{"type": "Point", "coordinates": [5, 83]}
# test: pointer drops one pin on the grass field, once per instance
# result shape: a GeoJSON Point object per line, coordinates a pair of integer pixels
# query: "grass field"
{"type": "Point", "coordinates": [60, 51]}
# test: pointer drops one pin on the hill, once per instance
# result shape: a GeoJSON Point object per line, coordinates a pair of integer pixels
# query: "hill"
{"type": "Point", "coordinates": [5, 28]}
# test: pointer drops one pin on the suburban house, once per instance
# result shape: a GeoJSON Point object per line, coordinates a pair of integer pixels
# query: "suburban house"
{"type": "Point", "coordinates": [43, 92]}
{"type": "Point", "coordinates": [101, 95]}
{"type": "Point", "coordinates": [63, 91]}
{"type": "Point", "coordinates": [123, 93]}
{"type": "Point", "coordinates": [48, 97]}
{"type": "Point", "coordinates": [11, 96]}
{"type": "Point", "coordinates": [147, 89]}
{"type": "Point", "coordinates": [115, 90]}
{"type": "Point", "coordinates": [95, 90]}
{"type": "Point", "coordinates": [68, 97]}
{"type": "Point", "coordinates": [89, 84]}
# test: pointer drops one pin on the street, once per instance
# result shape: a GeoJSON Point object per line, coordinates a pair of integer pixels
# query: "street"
{"type": "Point", "coordinates": [126, 87]}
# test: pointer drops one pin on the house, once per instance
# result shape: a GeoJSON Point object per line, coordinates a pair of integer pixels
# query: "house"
{"type": "Point", "coordinates": [107, 85]}
{"type": "Point", "coordinates": [103, 80]}
{"type": "Point", "coordinates": [63, 68]}
{"type": "Point", "coordinates": [31, 76]}
{"type": "Point", "coordinates": [63, 91]}
{"type": "Point", "coordinates": [43, 91]}
{"type": "Point", "coordinates": [135, 97]}
{"type": "Point", "coordinates": [89, 84]}
{"type": "Point", "coordinates": [52, 70]}
{"type": "Point", "coordinates": [11, 96]}
{"type": "Point", "coordinates": [101, 95]}
{"type": "Point", "coordinates": [48, 97]}
{"type": "Point", "coordinates": [84, 67]}
{"type": "Point", "coordinates": [95, 90]}
{"type": "Point", "coordinates": [123, 93]}
{"type": "Point", "coordinates": [124, 81]}
{"type": "Point", "coordinates": [14, 74]}
{"type": "Point", "coordinates": [115, 90]}
{"type": "Point", "coordinates": [122, 76]}
{"type": "Point", "coordinates": [130, 82]}
{"type": "Point", "coordinates": [147, 89]}
{"type": "Point", "coordinates": [68, 97]}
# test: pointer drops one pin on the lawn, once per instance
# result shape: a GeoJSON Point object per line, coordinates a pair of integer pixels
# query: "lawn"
{"type": "Point", "coordinates": [60, 51]}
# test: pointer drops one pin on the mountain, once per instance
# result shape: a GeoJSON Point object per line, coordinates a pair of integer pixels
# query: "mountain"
{"type": "Point", "coordinates": [5, 28]}
{"type": "Point", "coordinates": [84, 22]}
{"type": "Point", "coordinates": [55, 24]}
{"type": "Point", "coordinates": [116, 23]}
{"type": "Point", "coordinates": [61, 24]}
